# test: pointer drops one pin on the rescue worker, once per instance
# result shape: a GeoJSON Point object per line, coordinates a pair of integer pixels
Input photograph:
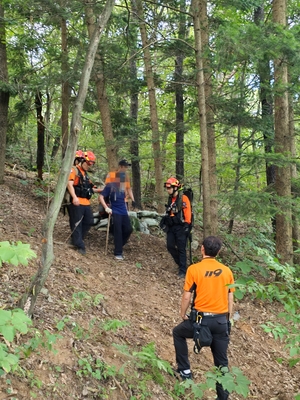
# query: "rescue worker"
{"type": "Point", "coordinates": [117, 187]}
{"type": "Point", "coordinates": [81, 189]}
{"type": "Point", "coordinates": [178, 220]}
{"type": "Point", "coordinates": [207, 281]}
{"type": "Point", "coordinates": [79, 156]}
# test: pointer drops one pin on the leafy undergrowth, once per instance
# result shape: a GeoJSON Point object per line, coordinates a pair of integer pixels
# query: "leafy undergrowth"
{"type": "Point", "coordinates": [103, 328]}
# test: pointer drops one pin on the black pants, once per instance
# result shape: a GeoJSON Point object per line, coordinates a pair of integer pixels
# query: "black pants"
{"type": "Point", "coordinates": [176, 245]}
{"type": "Point", "coordinates": [219, 329]}
{"type": "Point", "coordinates": [122, 232]}
{"type": "Point", "coordinates": [81, 219]}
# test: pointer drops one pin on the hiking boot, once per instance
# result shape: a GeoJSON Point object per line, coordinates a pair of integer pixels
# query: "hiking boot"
{"type": "Point", "coordinates": [185, 376]}
{"type": "Point", "coordinates": [82, 251]}
{"type": "Point", "coordinates": [181, 275]}
{"type": "Point", "coordinates": [119, 258]}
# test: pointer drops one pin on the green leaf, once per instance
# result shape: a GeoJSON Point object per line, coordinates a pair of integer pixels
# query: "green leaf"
{"type": "Point", "coordinates": [60, 325]}
{"type": "Point", "coordinates": [6, 254]}
{"type": "Point", "coordinates": [293, 362]}
{"type": "Point", "coordinates": [8, 332]}
{"type": "Point", "coordinates": [294, 351]}
{"type": "Point", "coordinates": [5, 316]}
{"type": "Point", "coordinates": [5, 365]}
{"type": "Point", "coordinates": [15, 254]}
{"type": "Point", "coordinates": [20, 320]}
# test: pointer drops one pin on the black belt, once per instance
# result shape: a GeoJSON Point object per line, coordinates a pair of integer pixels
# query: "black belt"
{"type": "Point", "coordinates": [209, 314]}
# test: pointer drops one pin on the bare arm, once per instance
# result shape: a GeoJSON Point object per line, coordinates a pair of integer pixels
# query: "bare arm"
{"type": "Point", "coordinates": [102, 201]}
{"type": "Point", "coordinates": [130, 193]}
{"type": "Point", "coordinates": [185, 303]}
{"type": "Point", "coordinates": [230, 304]}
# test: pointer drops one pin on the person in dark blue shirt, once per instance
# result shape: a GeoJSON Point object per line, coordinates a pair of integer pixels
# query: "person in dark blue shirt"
{"type": "Point", "coordinates": [115, 192]}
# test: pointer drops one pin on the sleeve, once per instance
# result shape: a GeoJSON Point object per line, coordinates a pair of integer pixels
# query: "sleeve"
{"type": "Point", "coordinates": [231, 282]}
{"type": "Point", "coordinates": [189, 283]}
{"type": "Point", "coordinates": [187, 209]}
{"type": "Point", "coordinates": [72, 175]}
{"type": "Point", "coordinates": [106, 191]}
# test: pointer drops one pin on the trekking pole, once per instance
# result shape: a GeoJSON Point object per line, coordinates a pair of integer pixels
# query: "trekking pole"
{"type": "Point", "coordinates": [107, 233]}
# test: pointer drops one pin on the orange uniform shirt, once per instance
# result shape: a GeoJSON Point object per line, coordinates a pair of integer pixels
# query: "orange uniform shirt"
{"type": "Point", "coordinates": [186, 208]}
{"type": "Point", "coordinates": [74, 177]}
{"type": "Point", "coordinates": [209, 279]}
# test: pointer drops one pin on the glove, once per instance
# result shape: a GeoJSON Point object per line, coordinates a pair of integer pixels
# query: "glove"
{"type": "Point", "coordinates": [108, 210]}
{"type": "Point", "coordinates": [186, 228]}
{"type": "Point", "coordinates": [133, 203]}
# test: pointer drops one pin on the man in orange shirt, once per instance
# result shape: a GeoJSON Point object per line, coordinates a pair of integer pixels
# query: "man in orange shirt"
{"type": "Point", "coordinates": [178, 223]}
{"type": "Point", "coordinates": [206, 286]}
{"type": "Point", "coordinates": [81, 189]}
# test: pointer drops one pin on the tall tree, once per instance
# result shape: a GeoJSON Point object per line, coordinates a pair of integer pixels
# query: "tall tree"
{"type": "Point", "coordinates": [265, 95]}
{"type": "Point", "coordinates": [282, 143]}
{"type": "Point", "coordinates": [195, 7]}
{"type": "Point", "coordinates": [134, 141]}
{"type": "Point", "coordinates": [40, 135]}
{"type": "Point", "coordinates": [102, 97]}
{"type": "Point", "coordinates": [179, 100]}
{"type": "Point", "coordinates": [134, 106]}
{"type": "Point", "coordinates": [4, 93]}
{"type": "Point", "coordinates": [294, 176]}
{"type": "Point", "coordinates": [211, 138]}
{"type": "Point", "coordinates": [138, 7]}
{"type": "Point", "coordinates": [65, 86]}
{"type": "Point", "coordinates": [28, 300]}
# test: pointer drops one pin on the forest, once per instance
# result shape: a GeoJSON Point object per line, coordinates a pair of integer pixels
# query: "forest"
{"type": "Point", "coordinates": [204, 91]}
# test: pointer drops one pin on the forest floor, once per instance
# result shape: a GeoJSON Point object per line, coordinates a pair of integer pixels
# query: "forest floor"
{"type": "Point", "coordinates": [143, 291]}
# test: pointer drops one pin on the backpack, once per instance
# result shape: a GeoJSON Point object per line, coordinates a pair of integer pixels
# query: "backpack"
{"type": "Point", "coordinates": [188, 192]}
{"type": "Point", "coordinates": [67, 197]}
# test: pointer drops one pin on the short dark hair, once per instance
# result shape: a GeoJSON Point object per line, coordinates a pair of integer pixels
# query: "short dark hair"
{"type": "Point", "coordinates": [212, 245]}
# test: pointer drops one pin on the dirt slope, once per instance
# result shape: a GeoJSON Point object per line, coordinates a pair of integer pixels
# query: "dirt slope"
{"type": "Point", "coordinates": [143, 290]}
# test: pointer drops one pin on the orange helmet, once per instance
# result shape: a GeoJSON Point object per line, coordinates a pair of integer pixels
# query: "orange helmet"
{"type": "Point", "coordinates": [79, 154]}
{"type": "Point", "coordinates": [172, 182]}
{"type": "Point", "coordinates": [89, 156]}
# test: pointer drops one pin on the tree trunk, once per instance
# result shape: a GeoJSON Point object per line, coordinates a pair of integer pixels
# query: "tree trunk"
{"type": "Point", "coordinates": [4, 94]}
{"type": "Point", "coordinates": [134, 142]}
{"type": "Point", "coordinates": [28, 300]}
{"type": "Point", "coordinates": [102, 98]}
{"type": "Point", "coordinates": [40, 135]}
{"type": "Point", "coordinates": [237, 178]}
{"type": "Point", "coordinates": [265, 94]}
{"type": "Point", "coordinates": [295, 177]}
{"type": "Point", "coordinates": [211, 138]}
{"type": "Point", "coordinates": [282, 147]}
{"type": "Point", "coordinates": [64, 88]}
{"type": "Point", "coordinates": [179, 102]}
{"type": "Point", "coordinates": [159, 188]}
{"type": "Point", "coordinates": [202, 117]}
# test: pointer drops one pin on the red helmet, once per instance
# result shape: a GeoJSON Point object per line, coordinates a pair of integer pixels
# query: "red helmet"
{"type": "Point", "coordinates": [89, 156]}
{"type": "Point", "coordinates": [172, 182]}
{"type": "Point", "coordinates": [79, 154]}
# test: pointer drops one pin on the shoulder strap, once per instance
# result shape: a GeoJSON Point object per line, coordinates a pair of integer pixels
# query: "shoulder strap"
{"type": "Point", "coordinates": [179, 201]}
{"type": "Point", "coordinates": [82, 178]}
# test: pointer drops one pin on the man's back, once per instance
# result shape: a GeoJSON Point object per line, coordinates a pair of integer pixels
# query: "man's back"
{"type": "Point", "coordinates": [210, 279]}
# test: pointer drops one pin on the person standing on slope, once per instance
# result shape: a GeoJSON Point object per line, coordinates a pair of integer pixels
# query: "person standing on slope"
{"type": "Point", "coordinates": [207, 288]}
{"type": "Point", "coordinates": [178, 223]}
